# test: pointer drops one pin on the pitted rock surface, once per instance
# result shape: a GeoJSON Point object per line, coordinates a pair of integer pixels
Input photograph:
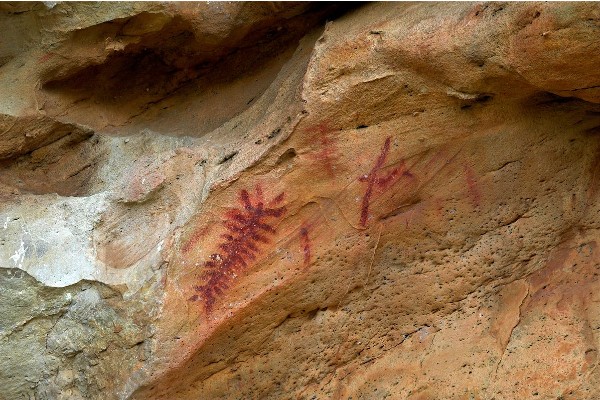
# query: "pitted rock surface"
{"type": "Point", "coordinates": [299, 200]}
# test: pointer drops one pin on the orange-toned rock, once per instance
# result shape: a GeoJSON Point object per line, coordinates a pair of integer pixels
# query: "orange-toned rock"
{"type": "Point", "coordinates": [399, 202]}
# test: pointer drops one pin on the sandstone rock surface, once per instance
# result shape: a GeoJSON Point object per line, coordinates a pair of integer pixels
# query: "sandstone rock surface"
{"type": "Point", "coordinates": [293, 200]}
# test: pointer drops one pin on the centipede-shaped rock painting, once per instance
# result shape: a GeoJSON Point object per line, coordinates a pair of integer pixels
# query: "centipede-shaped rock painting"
{"type": "Point", "coordinates": [247, 226]}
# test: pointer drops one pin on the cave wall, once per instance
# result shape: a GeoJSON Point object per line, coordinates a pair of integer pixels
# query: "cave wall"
{"type": "Point", "coordinates": [299, 200]}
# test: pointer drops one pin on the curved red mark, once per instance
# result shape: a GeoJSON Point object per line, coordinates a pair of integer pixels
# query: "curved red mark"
{"type": "Point", "coordinates": [194, 238]}
{"type": "Point", "coordinates": [305, 244]}
{"type": "Point", "coordinates": [45, 57]}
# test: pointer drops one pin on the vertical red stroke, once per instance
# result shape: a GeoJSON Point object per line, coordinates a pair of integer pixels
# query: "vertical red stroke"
{"type": "Point", "coordinates": [472, 185]}
{"type": "Point", "coordinates": [373, 179]}
{"type": "Point", "coordinates": [247, 227]}
{"type": "Point", "coordinates": [326, 153]}
{"type": "Point", "coordinates": [305, 245]}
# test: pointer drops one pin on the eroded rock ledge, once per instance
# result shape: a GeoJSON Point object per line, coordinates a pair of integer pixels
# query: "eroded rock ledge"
{"type": "Point", "coordinates": [296, 200]}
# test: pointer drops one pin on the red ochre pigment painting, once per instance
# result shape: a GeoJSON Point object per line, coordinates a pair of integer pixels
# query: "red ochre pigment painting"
{"type": "Point", "coordinates": [472, 185]}
{"type": "Point", "coordinates": [373, 179]}
{"type": "Point", "coordinates": [305, 245]}
{"type": "Point", "coordinates": [252, 224]}
{"type": "Point", "coordinates": [196, 236]}
{"type": "Point", "coordinates": [326, 155]}
{"type": "Point", "coordinates": [247, 226]}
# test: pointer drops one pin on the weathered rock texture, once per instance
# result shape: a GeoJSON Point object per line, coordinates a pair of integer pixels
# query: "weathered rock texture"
{"type": "Point", "coordinates": [269, 200]}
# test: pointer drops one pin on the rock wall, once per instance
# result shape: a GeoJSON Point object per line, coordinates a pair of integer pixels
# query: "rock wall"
{"type": "Point", "coordinates": [295, 200]}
